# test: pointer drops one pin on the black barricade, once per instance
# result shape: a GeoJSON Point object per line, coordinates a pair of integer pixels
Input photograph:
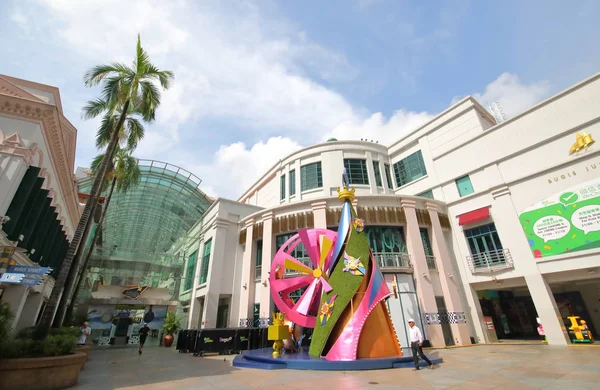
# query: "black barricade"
{"type": "Point", "coordinates": [215, 340]}
{"type": "Point", "coordinates": [182, 340]}
{"type": "Point", "coordinates": [227, 340]}
{"type": "Point", "coordinates": [242, 340]}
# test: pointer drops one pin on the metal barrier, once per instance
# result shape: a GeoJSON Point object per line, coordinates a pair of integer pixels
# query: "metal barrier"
{"type": "Point", "coordinates": [223, 341]}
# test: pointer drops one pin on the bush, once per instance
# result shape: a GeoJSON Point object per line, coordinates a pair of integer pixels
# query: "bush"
{"type": "Point", "coordinates": [66, 331]}
{"type": "Point", "coordinates": [6, 318]}
{"type": "Point", "coordinates": [58, 345]}
{"type": "Point", "coordinates": [20, 348]}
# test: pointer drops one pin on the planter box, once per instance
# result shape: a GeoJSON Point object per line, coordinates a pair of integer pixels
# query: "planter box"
{"type": "Point", "coordinates": [47, 373]}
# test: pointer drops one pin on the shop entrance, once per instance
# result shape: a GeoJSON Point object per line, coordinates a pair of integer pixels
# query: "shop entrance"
{"type": "Point", "coordinates": [512, 312]}
{"type": "Point", "coordinates": [581, 299]}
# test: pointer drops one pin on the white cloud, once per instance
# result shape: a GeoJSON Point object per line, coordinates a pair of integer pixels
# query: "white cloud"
{"type": "Point", "coordinates": [513, 95]}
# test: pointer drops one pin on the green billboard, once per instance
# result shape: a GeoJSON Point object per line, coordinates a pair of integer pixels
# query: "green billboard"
{"type": "Point", "coordinates": [568, 221]}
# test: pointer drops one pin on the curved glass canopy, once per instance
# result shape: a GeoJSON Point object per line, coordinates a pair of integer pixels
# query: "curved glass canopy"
{"type": "Point", "coordinates": [141, 226]}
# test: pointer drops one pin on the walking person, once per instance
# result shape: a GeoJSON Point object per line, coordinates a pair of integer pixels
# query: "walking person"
{"type": "Point", "coordinates": [143, 335]}
{"type": "Point", "coordinates": [416, 342]}
{"type": "Point", "coordinates": [85, 332]}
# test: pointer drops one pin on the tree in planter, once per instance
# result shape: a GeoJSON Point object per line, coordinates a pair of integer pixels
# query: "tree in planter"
{"type": "Point", "coordinates": [124, 88]}
{"type": "Point", "coordinates": [172, 325]}
{"type": "Point", "coordinates": [125, 173]}
{"type": "Point", "coordinates": [132, 131]}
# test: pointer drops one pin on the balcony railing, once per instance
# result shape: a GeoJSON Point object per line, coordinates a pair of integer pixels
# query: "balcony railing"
{"type": "Point", "coordinates": [490, 261]}
{"type": "Point", "coordinates": [431, 262]}
{"type": "Point", "coordinates": [392, 260]}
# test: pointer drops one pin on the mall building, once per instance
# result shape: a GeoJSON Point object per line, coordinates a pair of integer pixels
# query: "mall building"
{"type": "Point", "coordinates": [479, 227]}
{"type": "Point", "coordinates": [39, 209]}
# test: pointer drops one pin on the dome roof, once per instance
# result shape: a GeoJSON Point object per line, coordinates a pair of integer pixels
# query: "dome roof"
{"type": "Point", "coordinates": [332, 140]}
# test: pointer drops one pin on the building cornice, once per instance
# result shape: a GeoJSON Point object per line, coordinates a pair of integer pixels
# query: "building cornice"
{"type": "Point", "coordinates": [48, 117]}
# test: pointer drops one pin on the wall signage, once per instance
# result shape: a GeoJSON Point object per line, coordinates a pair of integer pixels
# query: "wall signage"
{"type": "Point", "coordinates": [568, 221]}
{"type": "Point", "coordinates": [11, 278]}
{"type": "Point", "coordinates": [23, 269]}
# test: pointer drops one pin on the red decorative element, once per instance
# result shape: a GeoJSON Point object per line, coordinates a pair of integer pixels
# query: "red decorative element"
{"type": "Point", "coordinates": [537, 254]}
{"type": "Point", "coordinates": [474, 216]}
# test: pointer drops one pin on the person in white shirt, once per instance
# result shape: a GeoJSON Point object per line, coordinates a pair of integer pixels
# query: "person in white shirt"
{"type": "Point", "coordinates": [416, 342]}
{"type": "Point", "coordinates": [85, 332]}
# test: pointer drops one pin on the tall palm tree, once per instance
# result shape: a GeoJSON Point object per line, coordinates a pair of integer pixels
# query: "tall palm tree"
{"type": "Point", "coordinates": [132, 132]}
{"type": "Point", "coordinates": [124, 88]}
{"type": "Point", "coordinates": [124, 175]}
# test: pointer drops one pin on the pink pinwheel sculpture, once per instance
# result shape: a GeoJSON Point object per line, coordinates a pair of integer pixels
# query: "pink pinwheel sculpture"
{"type": "Point", "coordinates": [289, 274]}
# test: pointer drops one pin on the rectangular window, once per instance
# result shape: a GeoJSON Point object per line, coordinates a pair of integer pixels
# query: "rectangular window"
{"type": "Point", "coordinates": [426, 242]}
{"type": "Point", "coordinates": [426, 194]}
{"type": "Point", "coordinates": [190, 270]}
{"type": "Point", "coordinates": [282, 184]}
{"type": "Point", "coordinates": [464, 186]}
{"type": "Point", "coordinates": [483, 239]}
{"type": "Point", "coordinates": [357, 171]}
{"type": "Point", "coordinates": [205, 261]}
{"type": "Point", "coordinates": [258, 260]}
{"type": "Point", "coordinates": [311, 176]}
{"type": "Point", "coordinates": [409, 169]}
{"type": "Point", "coordinates": [256, 314]}
{"type": "Point", "coordinates": [292, 182]}
{"type": "Point", "coordinates": [377, 173]}
{"type": "Point", "coordinates": [388, 176]}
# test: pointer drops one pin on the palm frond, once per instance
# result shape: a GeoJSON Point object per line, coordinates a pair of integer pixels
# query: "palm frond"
{"type": "Point", "coordinates": [93, 108]}
{"type": "Point", "coordinates": [142, 60]}
{"type": "Point", "coordinates": [98, 73]}
{"type": "Point", "coordinates": [165, 77]}
{"type": "Point", "coordinates": [150, 100]}
{"type": "Point", "coordinates": [107, 125]}
{"type": "Point", "coordinates": [135, 132]}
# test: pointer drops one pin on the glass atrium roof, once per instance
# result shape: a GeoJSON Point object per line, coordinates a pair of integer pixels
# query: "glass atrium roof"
{"type": "Point", "coordinates": [142, 224]}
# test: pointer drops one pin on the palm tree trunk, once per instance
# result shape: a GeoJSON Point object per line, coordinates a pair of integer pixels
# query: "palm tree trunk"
{"type": "Point", "coordinates": [50, 309]}
{"type": "Point", "coordinates": [79, 277]}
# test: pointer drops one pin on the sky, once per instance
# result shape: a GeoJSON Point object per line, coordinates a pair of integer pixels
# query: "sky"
{"type": "Point", "coordinates": [257, 80]}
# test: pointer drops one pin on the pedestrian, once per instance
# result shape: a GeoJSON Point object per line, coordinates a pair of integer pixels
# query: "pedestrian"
{"type": "Point", "coordinates": [85, 332]}
{"type": "Point", "coordinates": [416, 343]}
{"type": "Point", "coordinates": [143, 335]}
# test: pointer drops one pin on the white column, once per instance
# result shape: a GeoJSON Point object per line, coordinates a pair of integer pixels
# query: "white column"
{"type": "Point", "coordinates": [10, 179]}
{"type": "Point", "coordinates": [460, 330]}
{"type": "Point", "coordinates": [246, 303]}
{"type": "Point", "coordinates": [319, 214]}
{"type": "Point", "coordinates": [371, 174]}
{"type": "Point", "coordinates": [506, 220]}
{"type": "Point", "coordinates": [15, 295]}
{"type": "Point", "coordinates": [215, 271]}
{"type": "Point", "coordinates": [421, 273]}
{"type": "Point", "coordinates": [30, 311]}
{"type": "Point", "coordinates": [195, 308]}
{"type": "Point", "coordinates": [268, 246]}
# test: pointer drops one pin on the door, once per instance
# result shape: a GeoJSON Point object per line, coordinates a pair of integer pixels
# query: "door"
{"type": "Point", "coordinates": [222, 316]}
{"type": "Point", "coordinates": [444, 320]}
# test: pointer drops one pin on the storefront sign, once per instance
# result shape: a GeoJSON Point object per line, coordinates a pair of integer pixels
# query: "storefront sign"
{"type": "Point", "coordinates": [489, 323]}
{"type": "Point", "coordinates": [30, 281]}
{"type": "Point", "coordinates": [11, 278]}
{"type": "Point", "coordinates": [566, 222]}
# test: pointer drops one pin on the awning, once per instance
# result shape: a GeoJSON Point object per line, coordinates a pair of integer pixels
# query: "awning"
{"type": "Point", "coordinates": [474, 216]}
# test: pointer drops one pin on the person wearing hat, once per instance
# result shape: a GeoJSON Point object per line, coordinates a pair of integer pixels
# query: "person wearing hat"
{"type": "Point", "coordinates": [143, 335]}
{"type": "Point", "coordinates": [416, 342]}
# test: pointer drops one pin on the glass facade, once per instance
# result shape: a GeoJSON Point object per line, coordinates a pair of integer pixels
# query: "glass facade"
{"type": "Point", "coordinates": [205, 262]}
{"type": "Point", "coordinates": [409, 169]}
{"type": "Point", "coordinates": [356, 170]}
{"type": "Point", "coordinates": [311, 176]}
{"type": "Point", "coordinates": [386, 239]}
{"type": "Point", "coordinates": [464, 186]}
{"type": "Point", "coordinates": [292, 182]}
{"type": "Point", "coordinates": [190, 271]}
{"type": "Point", "coordinates": [377, 171]}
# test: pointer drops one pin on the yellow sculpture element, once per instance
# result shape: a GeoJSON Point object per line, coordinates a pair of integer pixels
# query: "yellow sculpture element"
{"type": "Point", "coordinates": [278, 332]}
{"type": "Point", "coordinates": [582, 142]}
{"type": "Point", "coordinates": [346, 193]}
{"type": "Point", "coordinates": [581, 331]}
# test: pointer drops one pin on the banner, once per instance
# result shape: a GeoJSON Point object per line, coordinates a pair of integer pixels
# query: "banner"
{"type": "Point", "coordinates": [568, 221]}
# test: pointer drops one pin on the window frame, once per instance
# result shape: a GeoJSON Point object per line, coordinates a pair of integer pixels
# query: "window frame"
{"type": "Point", "coordinates": [377, 172]}
{"type": "Point", "coordinates": [425, 194]}
{"type": "Point", "coordinates": [409, 169]}
{"type": "Point", "coordinates": [304, 175]}
{"type": "Point", "coordinates": [282, 187]}
{"type": "Point", "coordinates": [203, 278]}
{"type": "Point", "coordinates": [190, 270]}
{"type": "Point", "coordinates": [461, 182]}
{"type": "Point", "coordinates": [292, 179]}
{"type": "Point", "coordinates": [388, 176]}
{"type": "Point", "coordinates": [357, 174]}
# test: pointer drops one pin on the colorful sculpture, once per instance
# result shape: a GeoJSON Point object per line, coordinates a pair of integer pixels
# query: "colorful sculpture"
{"type": "Point", "coordinates": [278, 332]}
{"type": "Point", "coordinates": [579, 331]}
{"type": "Point", "coordinates": [342, 290]}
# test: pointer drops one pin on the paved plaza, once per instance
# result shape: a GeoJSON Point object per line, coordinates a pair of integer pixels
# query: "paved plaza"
{"type": "Point", "coordinates": [479, 367]}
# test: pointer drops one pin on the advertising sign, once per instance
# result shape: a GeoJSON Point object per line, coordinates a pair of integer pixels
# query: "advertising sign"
{"type": "Point", "coordinates": [11, 278]}
{"type": "Point", "coordinates": [568, 221]}
{"type": "Point", "coordinates": [24, 269]}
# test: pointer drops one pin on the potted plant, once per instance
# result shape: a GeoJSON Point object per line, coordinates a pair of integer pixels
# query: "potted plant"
{"type": "Point", "coordinates": [172, 325]}
{"type": "Point", "coordinates": [37, 364]}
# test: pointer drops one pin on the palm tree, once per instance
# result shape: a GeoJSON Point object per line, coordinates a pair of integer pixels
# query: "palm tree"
{"type": "Point", "coordinates": [124, 175]}
{"type": "Point", "coordinates": [131, 133]}
{"type": "Point", "coordinates": [124, 88]}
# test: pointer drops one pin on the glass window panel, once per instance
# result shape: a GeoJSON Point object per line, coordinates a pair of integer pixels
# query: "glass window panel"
{"type": "Point", "coordinates": [205, 262]}
{"type": "Point", "coordinates": [311, 176]}
{"type": "Point", "coordinates": [464, 186]}
{"type": "Point", "coordinates": [409, 169]}
{"type": "Point", "coordinates": [292, 182]}
{"type": "Point", "coordinates": [357, 171]}
{"type": "Point", "coordinates": [282, 186]}
{"type": "Point", "coordinates": [426, 241]}
{"type": "Point", "coordinates": [388, 176]}
{"type": "Point", "coordinates": [190, 270]}
{"type": "Point", "coordinates": [377, 171]}
{"type": "Point", "coordinates": [427, 194]}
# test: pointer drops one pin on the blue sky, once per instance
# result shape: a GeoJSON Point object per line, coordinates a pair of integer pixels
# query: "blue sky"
{"type": "Point", "coordinates": [256, 80]}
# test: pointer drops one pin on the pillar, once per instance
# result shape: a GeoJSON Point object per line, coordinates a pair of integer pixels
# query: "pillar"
{"type": "Point", "coordinates": [457, 317]}
{"type": "Point", "coordinates": [506, 220]}
{"type": "Point", "coordinates": [267, 255]}
{"type": "Point", "coordinates": [30, 311]}
{"type": "Point", "coordinates": [215, 272]}
{"type": "Point", "coordinates": [246, 303]}
{"type": "Point", "coordinates": [319, 214]}
{"type": "Point", "coordinates": [15, 295]}
{"type": "Point", "coordinates": [195, 308]}
{"type": "Point", "coordinates": [424, 288]}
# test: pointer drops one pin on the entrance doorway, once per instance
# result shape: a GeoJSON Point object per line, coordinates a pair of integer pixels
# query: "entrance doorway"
{"type": "Point", "coordinates": [581, 299]}
{"type": "Point", "coordinates": [444, 320]}
{"type": "Point", "coordinates": [512, 311]}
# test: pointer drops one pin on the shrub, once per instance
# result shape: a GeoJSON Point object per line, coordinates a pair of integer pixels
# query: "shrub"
{"type": "Point", "coordinates": [6, 318]}
{"type": "Point", "coordinates": [58, 345]}
{"type": "Point", "coordinates": [66, 331]}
